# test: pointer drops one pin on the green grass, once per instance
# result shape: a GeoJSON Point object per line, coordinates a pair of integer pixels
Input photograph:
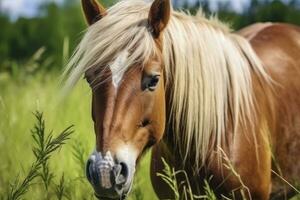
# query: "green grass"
{"type": "Point", "coordinates": [19, 99]}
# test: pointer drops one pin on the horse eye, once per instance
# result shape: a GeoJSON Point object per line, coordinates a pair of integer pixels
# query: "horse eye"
{"type": "Point", "coordinates": [150, 82]}
{"type": "Point", "coordinates": [153, 82]}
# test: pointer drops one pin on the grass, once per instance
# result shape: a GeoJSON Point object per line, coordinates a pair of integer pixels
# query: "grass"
{"type": "Point", "coordinates": [63, 176]}
{"type": "Point", "coordinates": [45, 146]}
{"type": "Point", "coordinates": [170, 175]}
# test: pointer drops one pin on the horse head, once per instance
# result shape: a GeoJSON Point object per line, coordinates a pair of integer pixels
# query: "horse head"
{"type": "Point", "coordinates": [128, 98]}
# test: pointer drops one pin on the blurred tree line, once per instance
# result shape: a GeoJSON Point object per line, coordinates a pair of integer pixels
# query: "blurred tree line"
{"type": "Point", "coordinates": [44, 41]}
{"type": "Point", "coordinates": [262, 11]}
{"type": "Point", "coordinates": [21, 39]}
{"type": "Point", "coordinates": [48, 38]}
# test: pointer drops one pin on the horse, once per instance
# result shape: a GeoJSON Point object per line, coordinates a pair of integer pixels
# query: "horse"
{"type": "Point", "coordinates": [222, 106]}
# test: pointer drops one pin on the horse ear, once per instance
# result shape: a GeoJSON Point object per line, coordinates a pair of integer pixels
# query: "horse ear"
{"type": "Point", "coordinates": [93, 11]}
{"type": "Point", "coordinates": [159, 16]}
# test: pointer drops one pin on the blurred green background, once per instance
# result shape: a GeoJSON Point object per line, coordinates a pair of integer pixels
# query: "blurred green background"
{"type": "Point", "coordinates": [33, 52]}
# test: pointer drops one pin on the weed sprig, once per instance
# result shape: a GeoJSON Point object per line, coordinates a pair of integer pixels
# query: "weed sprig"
{"type": "Point", "coordinates": [45, 146]}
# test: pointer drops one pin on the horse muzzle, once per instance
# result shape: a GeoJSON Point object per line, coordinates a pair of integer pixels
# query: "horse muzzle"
{"type": "Point", "coordinates": [110, 178]}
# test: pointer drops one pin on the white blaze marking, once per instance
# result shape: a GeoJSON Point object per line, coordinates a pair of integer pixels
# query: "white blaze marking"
{"type": "Point", "coordinates": [128, 155]}
{"type": "Point", "coordinates": [116, 69]}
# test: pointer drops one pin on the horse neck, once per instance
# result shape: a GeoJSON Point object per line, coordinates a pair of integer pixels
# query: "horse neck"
{"type": "Point", "coordinates": [234, 66]}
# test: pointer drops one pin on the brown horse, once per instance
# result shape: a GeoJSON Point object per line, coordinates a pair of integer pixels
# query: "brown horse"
{"type": "Point", "coordinates": [222, 106]}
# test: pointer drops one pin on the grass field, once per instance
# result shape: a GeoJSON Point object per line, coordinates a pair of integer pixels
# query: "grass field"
{"type": "Point", "coordinates": [19, 99]}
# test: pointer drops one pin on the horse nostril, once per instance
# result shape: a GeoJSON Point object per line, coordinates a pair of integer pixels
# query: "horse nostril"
{"type": "Point", "coordinates": [91, 172]}
{"type": "Point", "coordinates": [121, 174]}
{"type": "Point", "coordinates": [124, 170]}
{"type": "Point", "coordinates": [88, 170]}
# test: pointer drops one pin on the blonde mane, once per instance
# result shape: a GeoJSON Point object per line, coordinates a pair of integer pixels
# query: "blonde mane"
{"type": "Point", "coordinates": [208, 70]}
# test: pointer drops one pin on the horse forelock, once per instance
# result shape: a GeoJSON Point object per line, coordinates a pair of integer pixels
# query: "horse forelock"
{"type": "Point", "coordinates": [123, 29]}
{"type": "Point", "coordinates": [210, 69]}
